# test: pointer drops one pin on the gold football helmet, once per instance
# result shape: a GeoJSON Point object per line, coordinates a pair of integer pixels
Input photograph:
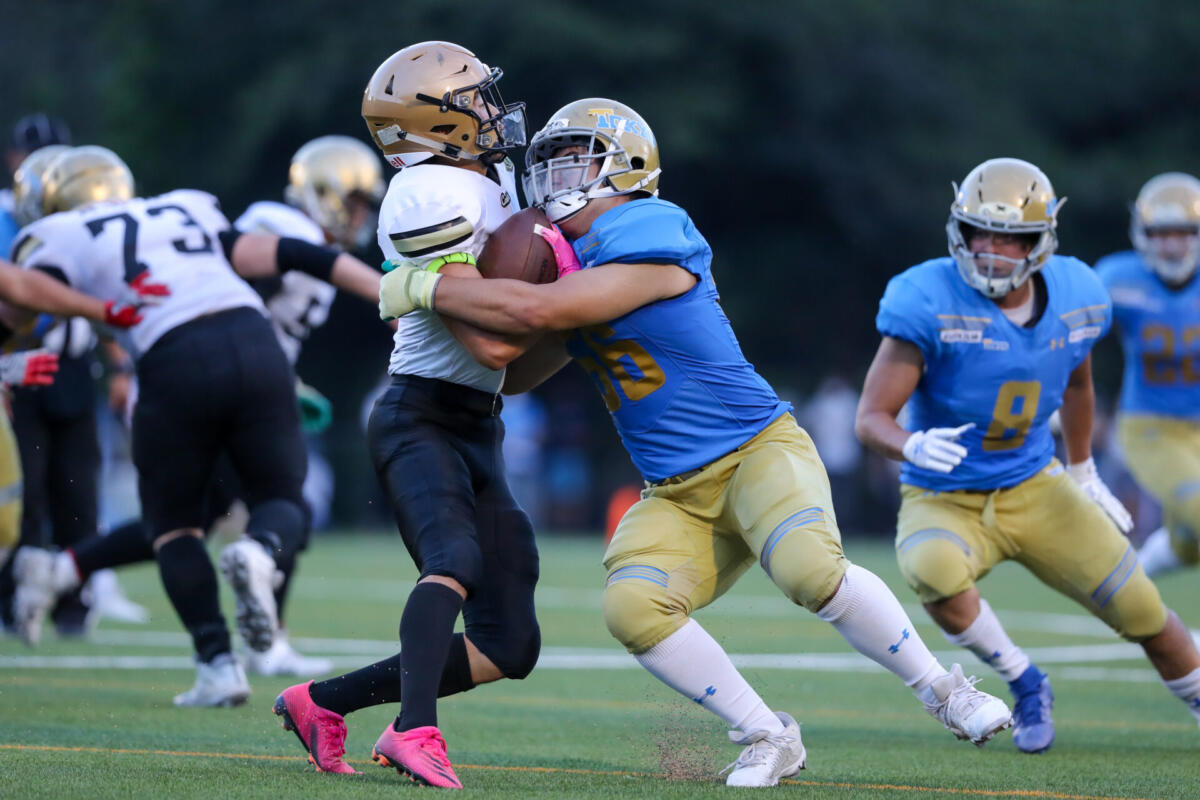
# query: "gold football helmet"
{"type": "Point", "coordinates": [1165, 226]}
{"type": "Point", "coordinates": [85, 175]}
{"type": "Point", "coordinates": [1008, 196]}
{"type": "Point", "coordinates": [619, 156]}
{"type": "Point", "coordinates": [28, 182]}
{"type": "Point", "coordinates": [326, 174]}
{"type": "Point", "coordinates": [437, 98]}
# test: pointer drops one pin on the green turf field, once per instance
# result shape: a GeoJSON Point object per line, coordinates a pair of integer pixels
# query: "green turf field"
{"type": "Point", "coordinates": [93, 720]}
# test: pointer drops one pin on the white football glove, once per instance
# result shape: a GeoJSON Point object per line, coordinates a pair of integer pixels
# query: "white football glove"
{"type": "Point", "coordinates": [937, 448]}
{"type": "Point", "coordinates": [405, 288]}
{"type": "Point", "coordinates": [1088, 479]}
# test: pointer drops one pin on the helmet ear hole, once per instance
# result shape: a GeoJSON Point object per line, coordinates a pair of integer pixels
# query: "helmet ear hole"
{"type": "Point", "coordinates": [637, 162]}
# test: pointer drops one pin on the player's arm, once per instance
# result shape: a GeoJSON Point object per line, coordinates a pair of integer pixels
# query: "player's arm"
{"type": "Point", "coordinates": [1076, 415]}
{"type": "Point", "coordinates": [492, 350]}
{"type": "Point", "coordinates": [892, 378]}
{"type": "Point", "coordinates": [263, 255]}
{"type": "Point", "coordinates": [28, 291]}
{"type": "Point", "coordinates": [587, 297]}
{"type": "Point", "coordinates": [542, 360]}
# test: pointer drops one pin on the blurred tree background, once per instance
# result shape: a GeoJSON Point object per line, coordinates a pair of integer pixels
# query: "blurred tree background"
{"type": "Point", "coordinates": [813, 142]}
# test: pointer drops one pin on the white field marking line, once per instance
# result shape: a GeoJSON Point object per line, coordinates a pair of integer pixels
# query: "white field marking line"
{"type": "Point", "coordinates": [576, 658]}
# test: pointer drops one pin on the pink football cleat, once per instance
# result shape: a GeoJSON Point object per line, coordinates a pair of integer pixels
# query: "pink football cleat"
{"type": "Point", "coordinates": [322, 732]}
{"type": "Point", "coordinates": [419, 753]}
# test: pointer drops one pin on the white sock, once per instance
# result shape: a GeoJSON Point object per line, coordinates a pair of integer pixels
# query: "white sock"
{"type": "Point", "coordinates": [1187, 689]}
{"type": "Point", "coordinates": [868, 616]}
{"type": "Point", "coordinates": [985, 637]}
{"type": "Point", "coordinates": [65, 572]}
{"type": "Point", "coordinates": [1156, 554]}
{"type": "Point", "coordinates": [693, 664]}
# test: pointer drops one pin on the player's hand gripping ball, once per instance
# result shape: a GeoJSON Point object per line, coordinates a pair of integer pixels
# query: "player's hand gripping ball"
{"type": "Point", "coordinates": [515, 250]}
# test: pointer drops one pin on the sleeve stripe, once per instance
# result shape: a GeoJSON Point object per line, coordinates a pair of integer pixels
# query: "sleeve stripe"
{"type": "Point", "coordinates": [421, 241]}
{"type": "Point", "coordinates": [24, 248]}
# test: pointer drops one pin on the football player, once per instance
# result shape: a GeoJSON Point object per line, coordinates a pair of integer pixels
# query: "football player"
{"type": "Point", "coordinates": [212, 380]}
{"type": "Point", "coordinates": [731, 479]}
{"type": "Point", "coordinates": [1156, 301]}
{"type": "Point", "coordinates": [334, 185]}
{"type": "Point", "coordinates": [984, 346]}
{"type": "Point", "coordinates": [435, 111]}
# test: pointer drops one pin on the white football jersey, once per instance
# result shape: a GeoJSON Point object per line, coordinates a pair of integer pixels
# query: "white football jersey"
{"type": "Point", "coordinates": [99, 248]}
{"type": "Point", "coordinates": [302, 302]}
{"type": "Point", "coordinates": [430, 211]}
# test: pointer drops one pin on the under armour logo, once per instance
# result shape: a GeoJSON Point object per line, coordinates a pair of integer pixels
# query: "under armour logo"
{"type": "Point", "coordinates": [895, 648]}
{"type": "Point", "coordinates": [1196, 703]}
{"type": "Point", "coordinates": [709, 692]}
{"type": "Point", "coordinates": [991, 658]}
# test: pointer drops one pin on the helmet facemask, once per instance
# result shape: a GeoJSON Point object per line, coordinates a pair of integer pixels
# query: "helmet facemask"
{"type": "Point", "coordinates": [500, 127]}
{"type": "Point", "coordinates": [562, 185]}
{"type": "Point", "coordinates": [992, 274]}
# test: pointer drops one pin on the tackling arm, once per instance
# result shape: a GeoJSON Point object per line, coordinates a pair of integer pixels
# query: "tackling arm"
{"type": "Point", "coordinates": [586, 297]}
{"type": "Point", "coordinates": [492, 350]}
{"type": "Point", "coordinates": [891, 380]}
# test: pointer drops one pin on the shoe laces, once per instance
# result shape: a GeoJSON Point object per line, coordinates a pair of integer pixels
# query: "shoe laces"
{"type": "Point", "coordinates": [963, 696]}
{"type": "Point", "coordinates": [764, 751]}
{"type": "Point", "coordinates": [433, 745]}
{"type": "Point", "coordinates": [333, 726]}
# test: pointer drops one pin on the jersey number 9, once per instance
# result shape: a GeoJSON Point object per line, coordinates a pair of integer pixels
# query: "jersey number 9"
{"type": "Point", "coordinates": [1016, 408]}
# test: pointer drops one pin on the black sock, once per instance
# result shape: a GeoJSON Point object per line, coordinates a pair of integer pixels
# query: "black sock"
{"type": "Point", "coordinates": [380, 682]}
{"type": "Point", "coordinates": [191, 584]}
{"type": "Point", "coordinates": [426, 628]}
{"type": "Point", "coordinates": [286, 565]}
{"type": "Point", "coordinates": [127, 544]}
{"type": "Point", "coordinates": [280, 527]}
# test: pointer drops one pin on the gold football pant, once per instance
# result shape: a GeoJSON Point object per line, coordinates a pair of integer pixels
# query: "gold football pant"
{"type": "Point", "coordinates": [685, 543]}
{"type": "Point", "coordinates": [946, 541]}
{"type": "Point", "coordinates": [1163, 453]}
{"type": "Point", "coordinates": [11, 485]}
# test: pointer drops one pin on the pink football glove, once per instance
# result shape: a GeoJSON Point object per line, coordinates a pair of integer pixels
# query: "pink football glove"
{"type": "Point", "coordinates": [125, 311]}
{"type": "Point", "coordinates": [29, 368]}
{"type": "Point", "coordinates": [564, 254]}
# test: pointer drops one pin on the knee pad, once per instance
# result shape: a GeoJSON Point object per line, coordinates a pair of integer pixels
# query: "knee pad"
{"type": "Point", "coordinates": [935, 564]}
{"type": "Point", "coordinates": [806, 563]}
{"type": "Point", "coordinates": [1136, 611]}
{"type": "Point", "coordinates": [279, 525]}
{"type": "Point", "coordinates": [638, 609]}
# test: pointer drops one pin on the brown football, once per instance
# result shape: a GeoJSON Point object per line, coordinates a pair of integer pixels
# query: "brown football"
{"type": "Point", "coordinates": [515, 251]}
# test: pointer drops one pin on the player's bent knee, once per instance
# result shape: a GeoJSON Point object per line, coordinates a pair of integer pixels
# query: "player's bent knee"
{"type": "Point", "coordinates": [1136, 612]}
{"type": "Point", "coordinates": [807, 565]}
{"type": "Point", "coordinates": [935, 566]}
{"type": "Point", "coordinates": [639, 612]}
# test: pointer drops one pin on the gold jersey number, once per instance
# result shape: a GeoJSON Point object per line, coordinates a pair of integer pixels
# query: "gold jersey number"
{"type": "Point", "coordinates": [1166, 365]}
{"type": "Point", "coordinates": [610, 363]}
{"type": "Point", "coordinates": [1016, 408]}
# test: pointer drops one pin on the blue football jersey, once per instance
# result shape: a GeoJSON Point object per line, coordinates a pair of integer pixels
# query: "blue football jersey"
{"type": "Point", "coordinates": [1160, 335]}
{"type": "Point", "coordinates": [672, 373]}
{"type": "Point", "coordinates": [982, 368]}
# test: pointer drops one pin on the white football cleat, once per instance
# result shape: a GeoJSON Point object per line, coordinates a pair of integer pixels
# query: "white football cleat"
{"type": "Point", "coordinates": [35, 591]}
{"type": "Point", "coordinates": [965, 711]}
{"type": "Point", "coordinates": [221, 683]}
{"type": "Point", "coordinates": [767, 757]}
{"type": "Point", "coordinates": [109, 600]}
{"type": "Point", "coordinates": [282, 659]}
{"type": "Point", "coordinates": [251, 572]}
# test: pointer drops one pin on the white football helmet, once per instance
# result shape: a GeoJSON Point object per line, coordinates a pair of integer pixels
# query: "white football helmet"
{"type": "Point", "coordinates": [1165, 226]}
{"type": "Point", "coordinates": [615, 141]}
{"type": "Point", "coordinates": [1003, 195]}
